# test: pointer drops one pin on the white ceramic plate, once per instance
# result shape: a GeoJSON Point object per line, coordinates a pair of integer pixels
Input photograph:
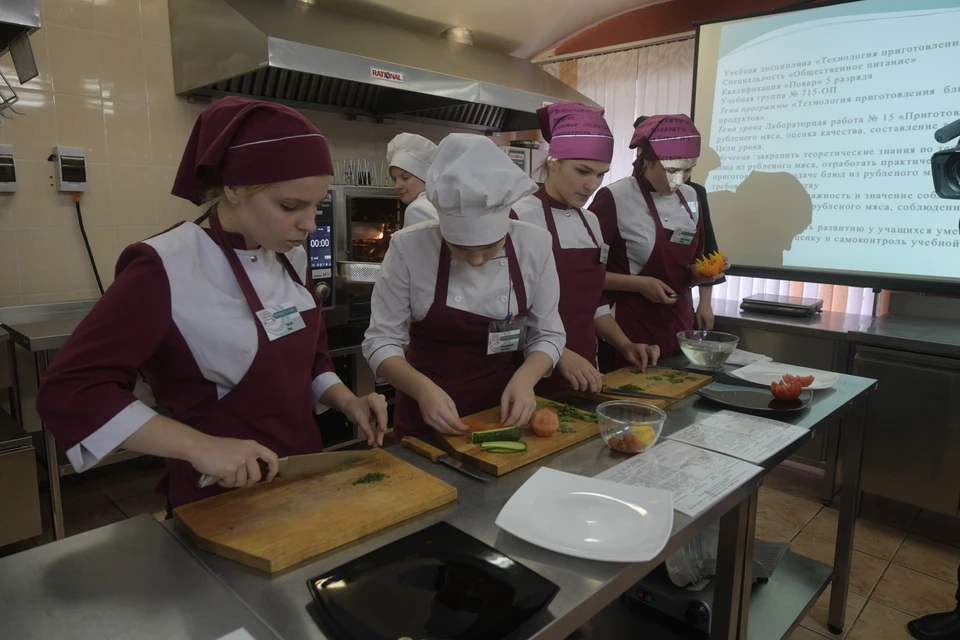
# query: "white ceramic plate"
{"type": "Point", "coordinates": [589, 518]}
{"type": "Point", "coordinates": [768, 372]}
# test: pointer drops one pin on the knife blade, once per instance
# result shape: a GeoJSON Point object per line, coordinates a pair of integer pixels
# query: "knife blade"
{"type": "Point", "coordinates": [434, 454]}
{"type": "Point", "coordinates": [307, 463]}
{"type": "Point", "coordinates": [611, 391]}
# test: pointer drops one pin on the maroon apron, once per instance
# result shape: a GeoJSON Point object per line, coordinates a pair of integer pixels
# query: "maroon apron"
{"type": "Point", "coordinates": [449, 346]}
{"type": "Point", "coordinates": [272, 404]}
{"type": "Point", "coordinates": [650, 322]}
{"type": "Point", "coordinates": [582, 276]}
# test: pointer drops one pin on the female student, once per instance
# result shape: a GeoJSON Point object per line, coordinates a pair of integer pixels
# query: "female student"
{"type": "Point", "coordinates": [656, 234]}
{"type": "Point", "coordinates": [581, 147]}
{"type": "Point", "coordinates": [464, 294]}
{"type": "Point", "coordinates": [409, 157]}
{"type": "Point", "coordinates": [217, 319]}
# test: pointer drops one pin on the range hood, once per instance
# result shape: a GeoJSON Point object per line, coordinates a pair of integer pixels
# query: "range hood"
{"type": "Point", "coordinates": [298, 53]}
{"type": "Point", "coordinates": [18, 19]}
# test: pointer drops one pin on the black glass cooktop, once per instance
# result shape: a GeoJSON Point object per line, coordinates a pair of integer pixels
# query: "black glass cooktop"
{"type": "Point", "coordinates": [436, 584]}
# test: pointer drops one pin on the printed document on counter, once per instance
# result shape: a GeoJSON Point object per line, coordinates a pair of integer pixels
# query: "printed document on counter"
{"type": "Point", "coordinates": [749, 438]}
{"type": "Point", "coordinates": [697, 478]}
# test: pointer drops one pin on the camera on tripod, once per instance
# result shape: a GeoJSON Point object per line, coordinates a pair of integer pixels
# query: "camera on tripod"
{"type": "Point", "coordinates": [945, 165]}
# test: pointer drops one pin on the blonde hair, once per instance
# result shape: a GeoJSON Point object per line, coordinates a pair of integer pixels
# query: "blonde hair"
{"type": "Point", "coordinates": [216, 196]}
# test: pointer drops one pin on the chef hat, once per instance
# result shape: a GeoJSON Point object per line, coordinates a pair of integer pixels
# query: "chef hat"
{"type": "Point", "coordinates": [670, 137]}
{"type": "Point", "coordinates": [575, 130]}
{"type": "Point", "coordinates": [240, 142]}
{"type": "Point", "coordinates": [412, 153]}
{"type": "Point", "coordinates": [473, 184]}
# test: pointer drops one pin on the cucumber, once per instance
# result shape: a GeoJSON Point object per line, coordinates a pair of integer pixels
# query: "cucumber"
{"type": "Point", "coordinates": [504, 447]}
{"type": "Point", "coordinates": [497, 435]}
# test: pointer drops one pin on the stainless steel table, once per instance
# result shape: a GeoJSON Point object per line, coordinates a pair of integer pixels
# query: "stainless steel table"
{"type": "Point", "coordinates": [126, 580]}
{"type": "Point", "coordinates": [587, 587]}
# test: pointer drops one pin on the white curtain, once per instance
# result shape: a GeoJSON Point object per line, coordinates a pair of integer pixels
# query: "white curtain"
{"type": "Point", "coordinates": [659, 79]}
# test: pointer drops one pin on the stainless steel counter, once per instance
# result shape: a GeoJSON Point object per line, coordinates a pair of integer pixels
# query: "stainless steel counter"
{"type": "Point", "coordinates": [586, 587]}
{"type": "Point", "coordinates": [909, 333]}
{"type": "Point", "coordinates": [828, 324]}
{"type": "Point", "coordinates": [128, 580]}
{"type": "Point", "coordinates": [43, 336]}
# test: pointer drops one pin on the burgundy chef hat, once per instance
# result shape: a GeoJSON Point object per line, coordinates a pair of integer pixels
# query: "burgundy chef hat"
{"type": "Point", "coordinates": [575, 130]}
{"type": "Point", "coordinates": [670, 137]}
{"type": "Point", "coordinates": [241, 142]}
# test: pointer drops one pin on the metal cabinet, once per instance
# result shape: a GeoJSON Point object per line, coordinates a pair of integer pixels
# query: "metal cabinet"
{"type": "Point", "coordinates": [912, 443]}
{"type": "Point", "coordinates": [19, 494]}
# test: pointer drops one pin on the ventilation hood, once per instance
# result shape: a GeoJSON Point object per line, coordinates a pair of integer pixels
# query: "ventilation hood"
{"type": "Point", "coordinates": [297, 53]}
{"type": "Point", "coordinates": [18, 19]}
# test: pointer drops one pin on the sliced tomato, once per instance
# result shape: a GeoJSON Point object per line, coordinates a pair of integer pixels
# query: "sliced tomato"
{"type": "Point", "coordinates": [479, 425]}
{"type": "Point", "coordinates": [786, 390]}
{"type": "Point", "coordinates": [806, 381]}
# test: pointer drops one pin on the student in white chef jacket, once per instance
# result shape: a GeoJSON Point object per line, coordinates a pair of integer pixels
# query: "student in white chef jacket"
{"type": "Point", "coordinates": [409, 157]}
{"type": "Point", "coordinates": [466, 293]}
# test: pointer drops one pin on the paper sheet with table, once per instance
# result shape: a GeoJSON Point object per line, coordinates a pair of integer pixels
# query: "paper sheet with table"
{"type": "Point", "coordinates": [696, 477]}
{"type": "Point", "coordinates": [749, 438]}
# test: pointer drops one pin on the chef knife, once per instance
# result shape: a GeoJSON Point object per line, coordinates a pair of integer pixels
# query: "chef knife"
{"type": "Point", "coordinates": [433, 454]}
{"type": "Point", "coordinates": [611, 391]}
{"type": "Point", "coordinates": [308, 463]}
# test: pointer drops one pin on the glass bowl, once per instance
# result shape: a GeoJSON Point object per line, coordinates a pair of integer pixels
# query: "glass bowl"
{"type": "Point", "coordinates": [630, 427]}
{"type": "Point", "coordinates": [707, 349]}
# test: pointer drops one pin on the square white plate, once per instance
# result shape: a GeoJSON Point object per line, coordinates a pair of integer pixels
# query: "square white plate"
{"type": "Point", "coordinates": [589, 518]}
{"type": "Point", "coordinates": [769, 372]}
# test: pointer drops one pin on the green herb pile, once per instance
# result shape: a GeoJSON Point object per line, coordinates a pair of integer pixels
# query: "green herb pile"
{"type": "Point", "coordinates": [671, 376]}
{"type": "Point", "coordinates": [371, 477]}
{"type": "Point", "coordinates": [567, 414]}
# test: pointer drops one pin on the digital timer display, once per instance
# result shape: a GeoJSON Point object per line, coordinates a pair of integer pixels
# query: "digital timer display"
{"type": "Point", "coordinates": [320, 248]}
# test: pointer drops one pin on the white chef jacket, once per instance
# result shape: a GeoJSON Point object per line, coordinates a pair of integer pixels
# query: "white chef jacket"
{"type": "Point", "coordinates": [405, 290]}
{"type": "Point", "coordinates": [633, 219]}
{"type": "Point", "coordinates": [570, 230]}
{"type": "Point", "coordinates": [420, 210]}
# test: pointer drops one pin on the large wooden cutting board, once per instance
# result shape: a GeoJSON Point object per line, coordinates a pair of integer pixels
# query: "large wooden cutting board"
{"type": "Point", "coordinates": [273, 526]}
{"type": "Point", "coordinates": [461, 447]}
{"type": "Point", "coordinates": [663, 382]}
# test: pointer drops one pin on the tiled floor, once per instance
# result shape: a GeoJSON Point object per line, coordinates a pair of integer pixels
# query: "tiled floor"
{"type": "Point", "coordinates": [905, 561]}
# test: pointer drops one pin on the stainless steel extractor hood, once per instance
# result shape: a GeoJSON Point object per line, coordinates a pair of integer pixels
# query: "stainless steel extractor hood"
{"type": "Point", "coordinates": [296, 52]}
{"type": "Point", "coordinates": [18, 19]}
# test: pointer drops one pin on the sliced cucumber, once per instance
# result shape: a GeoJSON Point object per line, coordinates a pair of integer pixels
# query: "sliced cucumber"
{"type": "Point", "coordinates": [497, 435]}
{"type": "Point", "coordinates": [504, 447]}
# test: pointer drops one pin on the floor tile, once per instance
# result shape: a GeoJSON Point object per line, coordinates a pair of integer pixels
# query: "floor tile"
{"type": "Point", "coordinates": [864, 573]}
{"type": "Point", "coordinates": [802, 633]}
{"type": "Point", "coordinates": [816, 620]}
{"type": "Point", "coordinates": [781, 515]}
{"type": "Point", "coordinates": [870, 537]}
{"type": "Point", "coordinates": [914, 592]}
{"type": "Point", "coordinates": [143, 503]}
{"type": "Point", "coordinates": [794, 481]}
{"type": "Point", "coordinates": [879, 622]}
{"type": "Point", "coordinates": [92, 519]}
{"type": "Point", "coordinates": [929, 557]}
{"type": "Point", "coordinates": [129, 482]}
{"type": "Point", "coordinates": [17, 547]}
{"type": "Point", "coordinates": [937, 526]}
{"type": "Point", "coordinates": [892, 513]}
{"type": "Point", "coordinates": [80, 494]}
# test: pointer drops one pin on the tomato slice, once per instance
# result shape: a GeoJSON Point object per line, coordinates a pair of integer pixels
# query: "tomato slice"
{"type": "Point", "coordinates": [806, 381]}
{"type": "Point", "coordinates": [786, 389]}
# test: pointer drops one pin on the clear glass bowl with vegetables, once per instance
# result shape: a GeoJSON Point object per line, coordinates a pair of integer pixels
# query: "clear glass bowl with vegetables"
{"type": "Point", "coordinates": [630, 427]}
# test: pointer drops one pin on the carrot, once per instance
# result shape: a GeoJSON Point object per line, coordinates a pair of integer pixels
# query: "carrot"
{"type": "Point", "coordinates": [545, 422]}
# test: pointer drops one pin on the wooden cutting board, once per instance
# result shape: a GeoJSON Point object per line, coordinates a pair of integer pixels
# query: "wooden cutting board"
{"type": "Point", "coordinates": [461, 447]}
{"type": "Point", "coordinates": [663, 382]}
{"type": "Point", "coordinates": [273, 526]}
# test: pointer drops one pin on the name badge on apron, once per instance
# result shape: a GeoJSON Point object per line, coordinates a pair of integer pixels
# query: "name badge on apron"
{"type": "Point", "coordinates": [604, 252]}
{"type": "Point", "coordinates": [505, 335]}
{"type": "Point", "coordinates": [281, 320]}
{"type": "Point", "coordinates": [683, 236]}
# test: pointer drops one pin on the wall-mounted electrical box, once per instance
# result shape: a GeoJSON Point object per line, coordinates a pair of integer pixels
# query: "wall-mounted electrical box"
{"type": "Point", "coordinates": [70, 168]}
{"type": "Point", "coordinates": [8, 169]}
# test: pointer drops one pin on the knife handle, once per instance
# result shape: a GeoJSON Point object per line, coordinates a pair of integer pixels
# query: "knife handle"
{"type": "Point", "coordinates": [428, 451]}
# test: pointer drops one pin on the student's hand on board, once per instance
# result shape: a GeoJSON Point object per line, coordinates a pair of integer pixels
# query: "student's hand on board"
{"type": "Point", "coordinates": [655, 290]}
{"type": "Point", "coordinates": [235, 462]}
{"type": "Point", "coordinates": [705, 316]}
{"type": "Point", "coordinates": [517, 404]}
{"type": "Point", "coordinates": [440, 411]}
{"type": "Point", "coordinates": [641, 355]}
{"type": "Point", "coordinates": [579, 372]}
{"type": "Point", "coordinates": [369, 412]}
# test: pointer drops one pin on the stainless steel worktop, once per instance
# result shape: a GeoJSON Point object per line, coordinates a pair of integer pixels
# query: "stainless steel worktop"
{"type": "Point", "coordinates": [128, 580]}
{"type": "Point", "coordinates": [910, 333]}
{"type": "Point", "coordinates": [829, 324]}
{"type": "Point", "coordinates": [43, 327]}
{"type": "Point", "coordinates": [586, 587]}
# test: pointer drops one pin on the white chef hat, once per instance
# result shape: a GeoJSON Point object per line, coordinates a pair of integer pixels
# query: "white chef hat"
{"type": "Point", "coordinates": [473, 184]}
{"type": "Point", "coordinates": [412, 153]}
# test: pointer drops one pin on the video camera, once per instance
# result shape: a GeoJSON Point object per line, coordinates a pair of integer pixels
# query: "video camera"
{"type": "Point", "coordinates": [945, 165]}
